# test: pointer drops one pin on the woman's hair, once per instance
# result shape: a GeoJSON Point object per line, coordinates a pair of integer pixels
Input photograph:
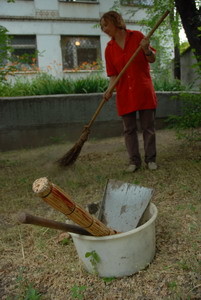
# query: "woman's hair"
{"type": "Point", "coordinates": [115, 18]}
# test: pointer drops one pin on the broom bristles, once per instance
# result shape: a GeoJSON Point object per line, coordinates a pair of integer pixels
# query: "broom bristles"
{"type": "Point", "coordinates": [70, 157]}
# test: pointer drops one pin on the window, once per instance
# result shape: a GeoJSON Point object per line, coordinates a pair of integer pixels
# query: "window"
{"type": "Point", "coordinates": [137, 2]}
{"type": "Point", "coordinates": [24, 52]}
{"type": "Point", "coordinates": [80, 52]}
{"type": "Point", "coordinates": [78, 0]}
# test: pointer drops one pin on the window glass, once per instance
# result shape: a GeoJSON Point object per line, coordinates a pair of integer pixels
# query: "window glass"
{"type": "Point", "coordinates": [78, 0]}
{"type": "Point", "coordinates": [137, 2]}
{"type": "Point", "coordinates": [24, 52]}
{"type": "Point", "coordinates": [80, 52]}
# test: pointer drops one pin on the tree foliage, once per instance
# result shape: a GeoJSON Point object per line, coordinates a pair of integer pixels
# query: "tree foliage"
{"type": "Point", "coordinates": [5, 50]}
{"type": "Point", "coordinates": [162, 39]}
{"type": "Point", "coordinates": [190, 13]}
{"type": "Point", "coordinates": [182, 13]}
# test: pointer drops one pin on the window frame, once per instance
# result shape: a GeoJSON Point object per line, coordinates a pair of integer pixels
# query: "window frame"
{"type": "Point", "coordinates": [24, 66]}
{"type": "Point", "coordinates": [80, 1]}
{"type": "Point", "coordinates": [74, 53]}
{"type": "Point", "coordinates": [122, 2]}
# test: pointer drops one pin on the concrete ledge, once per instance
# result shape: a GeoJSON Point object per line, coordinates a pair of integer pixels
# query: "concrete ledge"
{"type": "Point", "coordinates": [40, 120]}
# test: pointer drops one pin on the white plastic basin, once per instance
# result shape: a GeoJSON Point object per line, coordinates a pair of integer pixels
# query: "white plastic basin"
{"type": "Point", "coordinates": [121, 254]}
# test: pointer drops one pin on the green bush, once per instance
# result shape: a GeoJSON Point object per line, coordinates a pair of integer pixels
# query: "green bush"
{"type": "Point", "coordinates": [165, 84]}
{"type": "Point", "coordinates": [5, 51]}
{"type": "Point", "coordinates": [91, 84]}
{"type": "Point", "coordinates": [45, 84]}
{"type": "Point", "coordinates": [188, 123]}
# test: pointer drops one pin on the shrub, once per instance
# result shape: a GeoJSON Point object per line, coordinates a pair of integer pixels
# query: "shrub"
{"type": "Point", "coordinates": [165, 84]}
{"type": "Point", "coordinates": [91, 84]}
{"type": "Point", "coordinates": [5, 51]}
{"type": "Point", "coordinates": [188, 123]}
{"type": "Point", "coordinates": [46, 84]}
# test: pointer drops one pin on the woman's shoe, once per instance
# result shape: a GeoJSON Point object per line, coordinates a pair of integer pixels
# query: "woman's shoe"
{"type": "Point", "coordinates": [152, 166]}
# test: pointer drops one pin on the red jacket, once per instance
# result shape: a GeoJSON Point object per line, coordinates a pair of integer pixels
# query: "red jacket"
{"type": "Point", "coordinates": [135, 89]}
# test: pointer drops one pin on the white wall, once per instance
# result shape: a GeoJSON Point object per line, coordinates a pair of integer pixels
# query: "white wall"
{"type": "Point", "coordinates": [49, 19]}
{"type": "Point", "coordinates": [50, 54]}
{"type": "Point", "coordinates": [79, 10]}
{"type": "Point", "coordinates": [188, 73]}
{"type": "Point", "coordinates": [18, 8]}
{"type": "Point", "coordinates": [46, 4]}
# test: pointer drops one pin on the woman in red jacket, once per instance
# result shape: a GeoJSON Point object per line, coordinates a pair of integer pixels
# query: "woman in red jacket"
{"type": "Point", "coordinates": [135, 91]}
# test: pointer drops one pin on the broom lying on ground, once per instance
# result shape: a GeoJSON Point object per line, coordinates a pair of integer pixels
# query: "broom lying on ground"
{"type": "Point", "coordinates": [70, 157]}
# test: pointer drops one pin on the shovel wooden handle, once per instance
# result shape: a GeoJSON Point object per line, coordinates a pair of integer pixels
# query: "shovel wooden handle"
{"type": "Point", "coordinates": [25, 218]}
{"type": "Point", "coordinates": [112, 87]}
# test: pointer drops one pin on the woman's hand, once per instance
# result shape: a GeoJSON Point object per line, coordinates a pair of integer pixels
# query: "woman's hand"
{"type": "Point", "coordinates": [150, 55]}
{"type": "Point", "coordinates": [145, 44]}
{"type": "Point", "coordinates": [107, 95]}
{"type": "Point", "coordinates": [109, 92]}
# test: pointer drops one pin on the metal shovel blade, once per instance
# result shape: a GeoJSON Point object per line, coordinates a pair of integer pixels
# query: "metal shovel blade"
{"type": "Point", "coordinates": [123, 205]}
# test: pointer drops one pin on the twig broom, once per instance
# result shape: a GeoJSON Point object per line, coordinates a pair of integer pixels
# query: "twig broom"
{"type": "Point", "coordinates": [70, 157]}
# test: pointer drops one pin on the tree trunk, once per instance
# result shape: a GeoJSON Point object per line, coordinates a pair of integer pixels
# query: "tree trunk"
{"type": "Point", "coordinates": [191, 20]}
{"type": "Point", "coordinates": [177, 64]}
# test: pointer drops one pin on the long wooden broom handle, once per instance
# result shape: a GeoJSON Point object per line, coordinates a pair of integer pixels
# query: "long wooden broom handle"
{"type": "Point", "coordinates": [111, 88]}
{"type": "Point", "coordinates": [25, 218]}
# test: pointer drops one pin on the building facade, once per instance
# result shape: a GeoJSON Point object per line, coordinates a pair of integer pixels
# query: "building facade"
{"type": "Point", "coordinates": [190, 74]}
{"type": "Point", "coordinates": [62, 36]}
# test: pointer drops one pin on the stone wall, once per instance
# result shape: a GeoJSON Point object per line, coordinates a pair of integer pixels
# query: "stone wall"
{"type": "Point", "coordinates": [41, 120]}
